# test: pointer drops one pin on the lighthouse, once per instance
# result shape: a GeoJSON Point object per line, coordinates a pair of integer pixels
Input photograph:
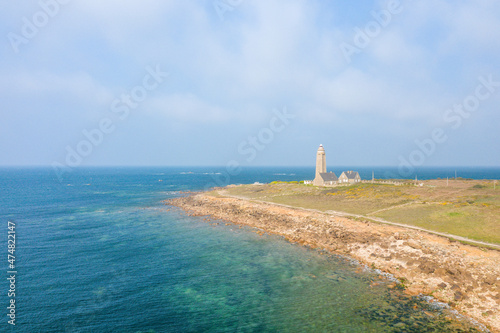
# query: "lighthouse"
{"type": "Point", "coordinates": [320, 161]}
{"type": "Point", "coordinates": [322, 177]}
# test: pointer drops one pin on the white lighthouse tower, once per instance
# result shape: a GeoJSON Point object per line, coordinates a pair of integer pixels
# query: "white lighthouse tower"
{"type": "Point", "coordinates": [320, 166]}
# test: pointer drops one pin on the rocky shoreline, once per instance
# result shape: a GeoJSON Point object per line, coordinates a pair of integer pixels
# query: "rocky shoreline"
{"type": "Point", "coordinates": [466, 277]}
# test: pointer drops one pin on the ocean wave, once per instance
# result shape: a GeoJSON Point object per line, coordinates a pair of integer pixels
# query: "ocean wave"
{"type": "Point", "coordinates": [200, 173]}
{"type": "Point", "coordinates": [168, 192]}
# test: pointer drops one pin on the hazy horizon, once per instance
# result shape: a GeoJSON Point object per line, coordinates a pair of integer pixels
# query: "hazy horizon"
{"type": "Point", "coordinates": [252, 166]}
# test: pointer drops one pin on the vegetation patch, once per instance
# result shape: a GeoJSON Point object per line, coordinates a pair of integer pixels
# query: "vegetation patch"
{"type": "Point", "coordinates": [454, 214]}
{"type": "Point", "coordinates": [466, 208]}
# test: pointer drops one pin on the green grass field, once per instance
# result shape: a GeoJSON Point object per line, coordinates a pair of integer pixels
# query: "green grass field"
{"type": "Point", "coordinates": [467, 208]}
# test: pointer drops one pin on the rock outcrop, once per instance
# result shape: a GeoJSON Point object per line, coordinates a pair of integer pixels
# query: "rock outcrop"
{"type": "Point", "coordinates": [466, 277]}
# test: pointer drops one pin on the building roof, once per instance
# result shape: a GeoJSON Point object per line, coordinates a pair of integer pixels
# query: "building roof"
{"type": "Point", "coordinates": [350, 174]}
{"type": "Point", "coordinates": [329, 177]}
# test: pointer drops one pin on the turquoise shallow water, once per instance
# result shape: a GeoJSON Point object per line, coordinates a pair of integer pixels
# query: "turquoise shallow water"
{"type": "Point", "coordinates": [100, 252]}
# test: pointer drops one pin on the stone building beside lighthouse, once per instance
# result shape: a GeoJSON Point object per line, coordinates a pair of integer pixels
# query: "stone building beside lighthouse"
{"type": "Point", "coordinates": [350, 177]}
{"type": "Point", "coordinates": [323, 178]}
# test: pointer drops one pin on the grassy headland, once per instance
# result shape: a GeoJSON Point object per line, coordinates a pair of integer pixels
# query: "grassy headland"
{"type": "Point", "coordinates": [467, 208]}
{"type": "Point", "coordinates": [466, 277]}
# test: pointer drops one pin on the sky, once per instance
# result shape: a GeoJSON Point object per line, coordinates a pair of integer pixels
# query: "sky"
{"type": "Point", "coordinates": [253, 83]}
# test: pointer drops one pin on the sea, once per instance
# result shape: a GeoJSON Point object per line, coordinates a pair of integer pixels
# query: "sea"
{"type": "Point", "coordinates": [98, 250]}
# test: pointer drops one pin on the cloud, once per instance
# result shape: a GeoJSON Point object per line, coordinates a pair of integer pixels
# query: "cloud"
{"type": "Point", "coordinates": [264, 55]}
{"type": "Point", "coordinates": [392, 48]}
{"type": "Point", "coordinates": [354, 91]}
{"type": "Point", "coordinates": [79, 85]}
{"type": "Point", "coordinates": [188, 108]}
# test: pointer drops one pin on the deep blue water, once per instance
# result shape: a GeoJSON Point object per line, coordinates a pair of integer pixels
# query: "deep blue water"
{"type": "Point", "coordinates": [99, 251]}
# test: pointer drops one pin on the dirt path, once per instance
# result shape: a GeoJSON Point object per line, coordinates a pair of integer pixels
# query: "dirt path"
{"type": "Point", "coordinates": [392, 207]}
{"type": "Point", "coordinates": [377, 219]}
{"type": "Point", "coordinates": [464, 276]}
